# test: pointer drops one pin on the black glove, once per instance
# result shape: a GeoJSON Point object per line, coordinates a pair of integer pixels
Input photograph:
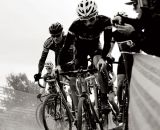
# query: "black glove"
{"type": "Point", "coordinates": [37, 76]}
{"type": "Point", "coordinates": [39, 95]}
{"type": "Point", "coordinates": [110, 59]}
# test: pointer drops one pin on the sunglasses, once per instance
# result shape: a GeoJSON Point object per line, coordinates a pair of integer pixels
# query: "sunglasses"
{"type": "Point", "coordinates": [48, 68]}
{"type": "Point", "coordinates": [56, 35]}
{"type": "Point", "coordinates": [92, 19]}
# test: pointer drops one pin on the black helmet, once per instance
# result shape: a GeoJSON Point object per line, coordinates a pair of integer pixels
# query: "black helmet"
{"type": "Point", "coordinates": [55, 28]}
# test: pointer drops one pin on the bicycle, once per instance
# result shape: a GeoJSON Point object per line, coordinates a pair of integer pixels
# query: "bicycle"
{"type": "Point", "coordinates": [84, 99]}
{"type": "Point", "coordinates": [125, 90]}
{"type": "Point", "coordinates": [38, 114]}
{"type": "Point", "coordinates": [55, 110]}
{"type": "Point", "coordinates": [93, 118]}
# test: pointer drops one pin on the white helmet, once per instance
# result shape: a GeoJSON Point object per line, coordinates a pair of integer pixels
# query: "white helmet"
{"type": "Point", "coordinates": [86, 9]}
{"type": "Point", "coordinates": [48, 64]}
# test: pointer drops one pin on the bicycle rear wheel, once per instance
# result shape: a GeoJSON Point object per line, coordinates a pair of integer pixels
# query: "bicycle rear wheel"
{"type": "Point", "coordinates": [55, 114]}
{"type": "Point", "coordinates": [85, 120]}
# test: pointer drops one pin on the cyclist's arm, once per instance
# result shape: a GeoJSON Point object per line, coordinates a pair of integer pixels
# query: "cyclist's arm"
{"type": "Point", "coordinates": [137, 35]}
{"type": "Point", "coordinates": [42, 60]}
{"type": "Point", "coordinates": [44, 54]}
{"type": "Point", "coordinates": [111, 48]}
{"type": "Point", "coordinates": [69, 41]}
{"type": "Point", "coordinates": [107, 38]}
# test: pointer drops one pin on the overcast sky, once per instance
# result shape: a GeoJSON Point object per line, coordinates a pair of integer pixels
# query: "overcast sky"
{"type": "Point", "coordinates": [24, 28]}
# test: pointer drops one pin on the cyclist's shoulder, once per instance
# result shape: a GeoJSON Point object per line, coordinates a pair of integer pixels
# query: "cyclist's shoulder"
{"type": "Point", "coordinates": [48, 42]}
{"type": "Point", "coordinates": [76, 24]}
{"type": "Point", "coordinates": [103, 18]}
{"type": "Point", "coordinates": [104, 22]}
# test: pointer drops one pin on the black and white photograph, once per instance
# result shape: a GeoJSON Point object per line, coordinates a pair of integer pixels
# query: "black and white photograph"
{"type": "Point", "coordinates": [79, 65]}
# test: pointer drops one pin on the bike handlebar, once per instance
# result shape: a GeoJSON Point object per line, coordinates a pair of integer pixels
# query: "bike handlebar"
{"type": "Point", "coordinates": [40, 83]}
{"type": "Point", "coordinates": [80, 71]}
{"type": "Point", "coordinates": [51, 80]}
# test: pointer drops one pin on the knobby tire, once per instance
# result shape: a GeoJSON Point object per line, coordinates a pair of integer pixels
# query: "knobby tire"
{"type": "Point", "coordinates": [54, 97]}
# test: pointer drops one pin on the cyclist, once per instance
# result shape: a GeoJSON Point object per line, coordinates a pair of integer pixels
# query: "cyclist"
{"type": "Point", "coordinates": [144, 29]}
{"type": "Point", "coordinates": [54, 43]}
{"type": "Point", "coordinates": [125, 61]}
{"type": "Point", "coordinates": [85, 33]}
{"type": "Point", "coordinates": [48, 76]}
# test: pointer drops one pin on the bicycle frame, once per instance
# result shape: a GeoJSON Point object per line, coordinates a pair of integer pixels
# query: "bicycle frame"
{"type": "Point", "coordinates": [84, 90]}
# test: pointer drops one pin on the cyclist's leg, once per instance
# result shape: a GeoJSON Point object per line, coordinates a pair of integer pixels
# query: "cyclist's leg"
{"type": "Point", "coordinates": [112, 101]}
{"type": "Point", "coordinates": [129, 59]}
{"type": "Point", "coordinates": [74, 95]}
{"type": "Point", "coordinates": [72, 105]}
{"type": "Point", "coordinates": [120, 80]}
{"type": "Point", "coordinates": [103, 84]}
{"type": "Point", "coordinates": [128, 65]}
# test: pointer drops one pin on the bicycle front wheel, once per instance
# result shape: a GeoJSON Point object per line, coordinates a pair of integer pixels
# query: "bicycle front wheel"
{"type": "Point", "coordinates": [55, 114]}
{"type": "Point", "coordinates": [125, 109]}
{"type": "Point", "coordinates": [85, 120]}
{"type": "Point", "coordinates": [39, 115]}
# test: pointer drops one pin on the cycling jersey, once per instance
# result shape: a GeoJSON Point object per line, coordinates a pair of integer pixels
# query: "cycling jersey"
{"type": "Point", "coordinates": [51, 45]}
{"type": "Point", "coordinates": [87, 39]}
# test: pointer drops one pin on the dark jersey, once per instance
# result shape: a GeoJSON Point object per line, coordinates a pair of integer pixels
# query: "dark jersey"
{"type": "Point", "coordinates": [51, 45]}
{"type": "Point", "coordinates": [87, 39]}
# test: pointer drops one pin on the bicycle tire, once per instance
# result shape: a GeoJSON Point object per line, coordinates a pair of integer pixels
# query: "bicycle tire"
{"type": "Point", "coordinates": [96, 118]}
{"type": "Point", "coordinates": [88, 116]}
{"type": "Point", "coordinates": [39, 114]}
{"type": "Point", "coordinates": [50, 105]}
{"type": "Point", "coordinates": [125, 109]}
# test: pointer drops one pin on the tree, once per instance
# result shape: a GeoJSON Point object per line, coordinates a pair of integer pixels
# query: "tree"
{"type": "Point", "coordinates": [20, 82]}
{"type": "Point", "coordinates": [20, 91]}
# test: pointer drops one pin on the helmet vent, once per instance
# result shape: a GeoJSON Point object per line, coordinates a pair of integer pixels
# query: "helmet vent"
{"type": "Point", "coordinates": [87, 4]}
{"type": "Point", "coordinates": [86, 9]}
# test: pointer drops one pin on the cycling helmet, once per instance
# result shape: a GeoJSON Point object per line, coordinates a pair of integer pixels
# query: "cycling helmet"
{"type": "Point", "coordinates": [86, 9]}
{"type": "Point", "coordinates": [131, 2]}
{"type": "Point", "coordinates": [55, 28]}
{"type": "Point", "coordinates": [48, 64]}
